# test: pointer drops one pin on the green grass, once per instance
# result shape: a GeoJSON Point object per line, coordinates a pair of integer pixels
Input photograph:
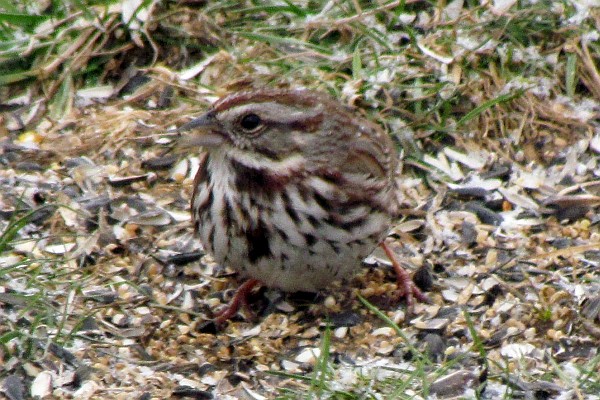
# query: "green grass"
{"type": "Point", "coordinates": [31, 301]}
{"type": "Point", "coordinates": [39, 292]}
{"type": "Point", "coordinates": [321, 383]}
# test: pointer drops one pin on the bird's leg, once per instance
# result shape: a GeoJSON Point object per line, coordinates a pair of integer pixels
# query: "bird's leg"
{"type": "Point", "coordinates": [407, 287]}
{"type": "Point", "coordinates": [239, 299]}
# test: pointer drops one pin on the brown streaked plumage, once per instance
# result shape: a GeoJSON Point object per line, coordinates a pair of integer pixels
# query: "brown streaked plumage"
{"type": "Point", "coordinates": [294, 189]}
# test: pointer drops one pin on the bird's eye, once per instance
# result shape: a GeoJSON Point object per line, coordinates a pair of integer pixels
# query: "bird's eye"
{"type": "Point", "coordinates": [250, 122]}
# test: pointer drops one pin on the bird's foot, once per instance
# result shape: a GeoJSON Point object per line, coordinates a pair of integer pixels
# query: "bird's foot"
{"type": "Point", "coordinates": [239, 299]}
{"type": "Point", "coordinates": [407, 287]}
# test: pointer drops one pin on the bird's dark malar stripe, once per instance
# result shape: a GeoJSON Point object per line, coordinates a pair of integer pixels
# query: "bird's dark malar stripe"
{"type": "Point", "coordinates": [203, 174]}
{"type": "Point", "coordinates": [258, 182]}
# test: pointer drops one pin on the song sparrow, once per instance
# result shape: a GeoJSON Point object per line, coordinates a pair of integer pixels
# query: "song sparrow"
{"type": "Point", "coordinates": [294, 189]}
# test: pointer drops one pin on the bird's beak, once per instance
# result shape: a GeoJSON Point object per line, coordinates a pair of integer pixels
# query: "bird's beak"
{"type": "Point", "coordinates": [204, 131]}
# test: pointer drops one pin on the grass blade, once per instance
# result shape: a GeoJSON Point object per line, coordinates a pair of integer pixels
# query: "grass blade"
{"type": "Point", "coordinates": [489, 104]}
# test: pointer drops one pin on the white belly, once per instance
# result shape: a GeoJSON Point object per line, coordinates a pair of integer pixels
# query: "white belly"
{"type": "Point", "coordinates": [287, 251]}
{"type": "Point", "coordinates": [287, 239]}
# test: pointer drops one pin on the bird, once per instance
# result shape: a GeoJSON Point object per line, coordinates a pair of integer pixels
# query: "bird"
{"type": "Point", "coordinates": [293, 191]}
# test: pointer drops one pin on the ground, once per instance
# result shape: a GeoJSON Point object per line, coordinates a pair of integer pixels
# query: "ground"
{"type": "Point", "coordinates": [105, 292]}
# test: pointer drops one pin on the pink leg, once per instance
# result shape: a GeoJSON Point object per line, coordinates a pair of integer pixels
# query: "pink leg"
{"type": "Point", "coordinates": [405, 283]}
{"type": "Point", "coordinates": [240, 298]}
